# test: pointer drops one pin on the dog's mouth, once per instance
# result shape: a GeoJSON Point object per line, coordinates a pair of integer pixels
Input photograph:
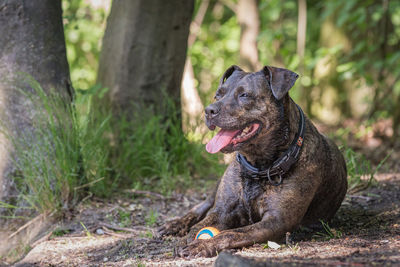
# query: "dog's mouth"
{"type": "Point", "coordinates": [231, 137]}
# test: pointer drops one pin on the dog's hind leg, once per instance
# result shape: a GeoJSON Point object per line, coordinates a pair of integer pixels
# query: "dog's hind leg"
{"type": "Point", "coordinates": [182, 225]}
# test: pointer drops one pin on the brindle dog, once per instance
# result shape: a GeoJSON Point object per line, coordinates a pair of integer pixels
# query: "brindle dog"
{"type": "Point", "coordinates": [259, 121]}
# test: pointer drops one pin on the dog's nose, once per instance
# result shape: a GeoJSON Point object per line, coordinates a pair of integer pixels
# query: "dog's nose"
{"type": "Point", "coordinates": [212, 111]}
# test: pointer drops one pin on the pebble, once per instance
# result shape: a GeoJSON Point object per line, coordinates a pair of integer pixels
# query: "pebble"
{"type": "Point", "coordinates": [99, 232]}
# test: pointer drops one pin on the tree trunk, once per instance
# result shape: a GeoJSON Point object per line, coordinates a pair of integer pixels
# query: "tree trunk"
{"type": "Point", "coordinates": [32, 43]}
{"type": "Point", "coordinates": [144, 51]}
{"type": "Point", "coordinates": [249, 20]}
{"type": "Point", "coordinates": [301, 47]}
{"type": "Point", "coordinates": [192, 107]}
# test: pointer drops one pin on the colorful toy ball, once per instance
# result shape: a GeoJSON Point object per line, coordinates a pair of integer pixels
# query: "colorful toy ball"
{"type": "Point", "coordinates": [207, 233]}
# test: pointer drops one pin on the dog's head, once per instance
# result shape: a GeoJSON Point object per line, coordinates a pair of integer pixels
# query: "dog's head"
{"type": "Point", "coordinates": [247, 107]}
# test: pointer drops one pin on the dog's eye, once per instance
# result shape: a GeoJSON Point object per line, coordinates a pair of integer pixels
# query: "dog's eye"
{"type": "Point", "coordinates": [243, 95]}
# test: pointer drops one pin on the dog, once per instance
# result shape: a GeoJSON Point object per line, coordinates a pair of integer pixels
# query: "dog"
{"type": "Point", "coordinates": [286, 173]}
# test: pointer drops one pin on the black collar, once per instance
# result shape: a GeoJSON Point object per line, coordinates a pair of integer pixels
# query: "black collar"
{"type": "Point", "coordinates": [280, 166]}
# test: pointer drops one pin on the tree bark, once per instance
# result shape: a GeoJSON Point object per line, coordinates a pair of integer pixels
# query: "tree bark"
{"type": "Point", "coordinates": [249, 20]}
{"type": "Point", "coordinates": [144, 51]}
{"type": "Point", "coordinates": [301, 47]}
{"type": "Point", "coordinates": [32, 43]}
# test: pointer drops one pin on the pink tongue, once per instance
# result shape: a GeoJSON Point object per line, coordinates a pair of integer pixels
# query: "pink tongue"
{"type": "Point", "coordinates": [221, 140]}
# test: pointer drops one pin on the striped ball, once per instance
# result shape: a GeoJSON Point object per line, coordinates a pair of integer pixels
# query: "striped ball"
{"type": "Point", "coordinates": [207, 233]}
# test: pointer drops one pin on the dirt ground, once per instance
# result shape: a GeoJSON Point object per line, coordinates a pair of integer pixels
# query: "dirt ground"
{"type": "Point", "coordinates": [120, 231]}
{"type": "Point", "coordinates": [365, 232]}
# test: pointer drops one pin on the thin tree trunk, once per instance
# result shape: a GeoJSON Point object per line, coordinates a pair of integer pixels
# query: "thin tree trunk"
{"type": "Point", "coordinates": [301, 30]}
{"type": "Point", "coordinates": [379, 93]}
{"type": "Point", "coordinates": [249, 20]}
{"type": "Point", "coordinates": [144, 51]}
{"type": "Point", "coordinates": [301, 46]}
{"type": "Point", "coordinates": [192, 107]}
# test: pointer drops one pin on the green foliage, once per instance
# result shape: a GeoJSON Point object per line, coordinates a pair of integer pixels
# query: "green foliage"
{"type": "Point", "coordinates": [153, 151]}
{"type": "Point", "coordinates": [48, 158]}
{"type": "Point", "coordinates": [60, 232]}
{"type": "Point", "coordinates": [84, 24]}
{"type": "Point", "coordinates": [359, 170]}
{"type": "Point", "coordinates": [151, 218]}
{"type": "Point", "coordinates": [72, 151]}
{"type": "Point", "coordinates": [216, 48]}
{"type": "Point", "coordinates": [87, 232]}
{"type": "Point", "coordinates": [124, 218]}
{"type": "Point", "coordinates": [372, 28]}
{"type": "Point", "coordinates": [328, 232]}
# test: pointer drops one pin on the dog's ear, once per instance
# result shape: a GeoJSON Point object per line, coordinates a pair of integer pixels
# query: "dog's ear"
{"type": "Point", "coordinates": [228, 73]}
{"type": "Point", "coordinates": [280, 80]}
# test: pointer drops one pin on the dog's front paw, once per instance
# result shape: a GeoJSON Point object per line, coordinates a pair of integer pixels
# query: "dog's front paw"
{"type": "Point", "coordinates": [174, 227]}
{"type": "Point", "coordinates": [199, 248]}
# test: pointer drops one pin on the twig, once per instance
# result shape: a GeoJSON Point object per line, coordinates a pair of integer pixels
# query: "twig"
{"type": "Point", "coordinates": [148, 193]}
{"type": "Point", "coordinates": [29, 223]}
{"type": "Point", "coordinates": [40, 240]}
{"type": "Point", "coordinates": [134, 229]}
{"type": "Point", "coordinates": [88, 184]}
{"type": "Point", "coordinates": [196, 23]}
{"type": "Point", "coordinates": [109, 232]}
{"type": "Point", "coordinates": [362, 197]}
{"type": "Point", "coordinates": [230, 5]}
{"type": "Point", "coordinates": [87, 197]}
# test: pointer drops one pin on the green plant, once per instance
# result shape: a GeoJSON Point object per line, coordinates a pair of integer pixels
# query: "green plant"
{"type": "Point", "coordinates": [61, 157]}
{"type": "Point", "coordinates": [124, 218]}
{"type": "Point", "coordinates": [47, 157]}
{"type": "Point", "coordinates": [77, 148]}
{"type": "Point", "coordinates": [60, 232]}
{"type": "Point", "coordinates": [295, 247]}
{"type": "Point", "coordinates": [360, 172]}
{"type": "Point", "coordinates": [328, 232]}
{"type": "Point", "coordinates": [153, 151]}
{"type": "Point", "coordinates": [87, 232]}
{"type": "Point", "coordinates": [151, 218]}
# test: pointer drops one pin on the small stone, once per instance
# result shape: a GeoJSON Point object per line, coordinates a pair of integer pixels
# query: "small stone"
{"type": "Point", "coordinates": [99, 232]}
{"type": "Point", "coordinates": [105, 259]}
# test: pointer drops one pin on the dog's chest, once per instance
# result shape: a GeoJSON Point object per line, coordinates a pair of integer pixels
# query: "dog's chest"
{"type": "Point", "coordinates": [252, 197]}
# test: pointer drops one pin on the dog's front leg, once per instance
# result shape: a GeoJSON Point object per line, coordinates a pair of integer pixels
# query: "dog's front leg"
{"type": "Point", "coordinates": [270, 229]}
{"type": "Point", "coordinates": [182, 225]}
{"type": "Point", "coordinates": [273, 225]}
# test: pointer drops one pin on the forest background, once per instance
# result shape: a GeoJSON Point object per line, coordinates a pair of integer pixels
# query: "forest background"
{"type": "Point", "coordinates": [346, 53]}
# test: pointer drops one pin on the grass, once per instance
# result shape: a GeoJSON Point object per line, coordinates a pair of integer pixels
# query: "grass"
{"type": "Point", "coordinates": [327, 233]}
{"type": "Point", "coordinates": [151, 218]}
{"type": "Point", "coordinates": [87, 232]}
{"type": "Point", "coordinates": [124, 218]}
{"type": "Point", "coordinates": [361, 173]}
{"type": "Point", "coordinates": [79, 149]}
{"type": "Point", "coordinates": [47, 158]}
{"type": "Point", "coordinates": [153, 150]}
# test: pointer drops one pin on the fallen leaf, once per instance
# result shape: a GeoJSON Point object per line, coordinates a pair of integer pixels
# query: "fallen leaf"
{"type": "Point", "coordinates": [273, 245]}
